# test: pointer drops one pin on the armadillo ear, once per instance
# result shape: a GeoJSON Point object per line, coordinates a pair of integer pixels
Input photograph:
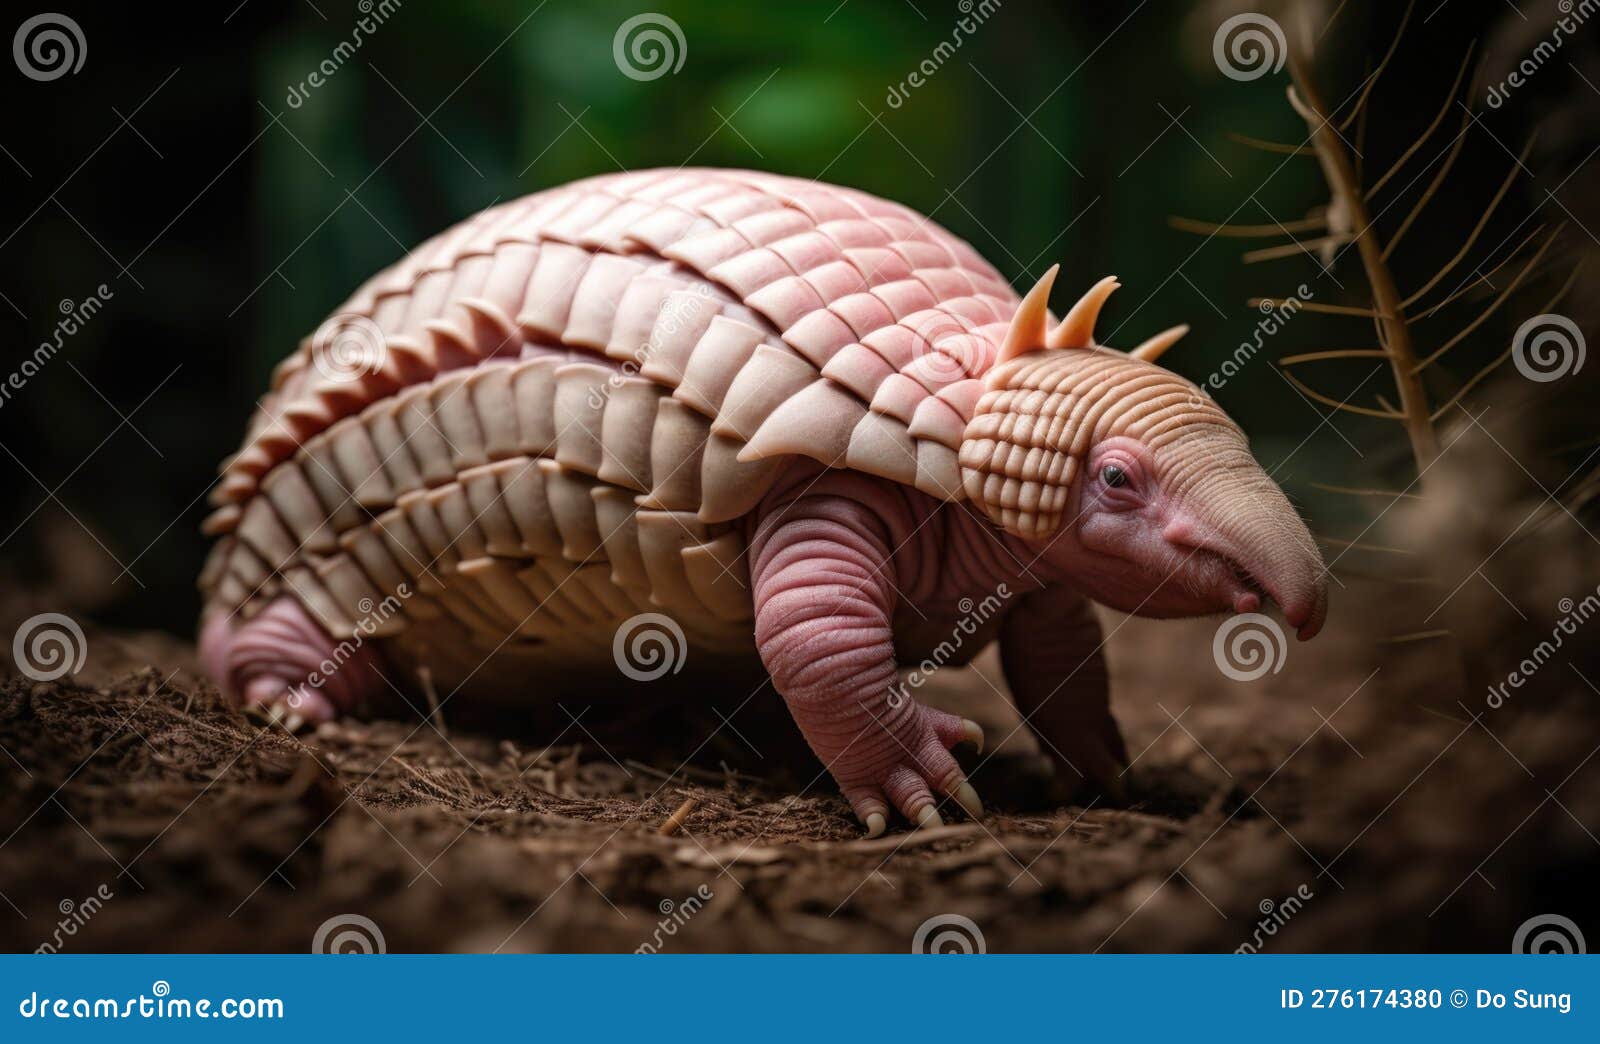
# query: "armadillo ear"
{"type": "Point", "coordinates": [1153, 349]}
{"type": "Point", "coordinates": [1077, 329]}
{"type": "Point", "coordinates": [1028, 326]}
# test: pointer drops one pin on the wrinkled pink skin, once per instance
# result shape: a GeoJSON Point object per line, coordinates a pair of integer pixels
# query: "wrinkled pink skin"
{"type": "Point", "coordinates": [842, 563]}
{"type": "Point", "coordinates": [277, 657]}
{"type": "Point", "coordinates": [838, 559]}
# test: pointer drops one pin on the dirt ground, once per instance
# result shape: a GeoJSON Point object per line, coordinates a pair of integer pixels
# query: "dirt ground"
{"type": "Point", "coordinates": [1368, 796]}
{"type": "Point", "coordinates": [1331, 797]}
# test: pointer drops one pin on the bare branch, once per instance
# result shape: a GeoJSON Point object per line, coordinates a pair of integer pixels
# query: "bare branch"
{"type": "Point", "coordinates": [1500, 360]}
{"type": "Point", "coordinates": [1271, 146]}
{"type": "Point", "coordinates": [1487, 276]}
{"type": "Point", "coordinates": [1331, 19]}
{"type": "Point", "coordinates": [1372, 81]}
{"type": "Point", "coordinates": [1336, 404]}
{"type": "Point", "coordinates": [1412, 149]}
{"type": "Point", "coordinates": [1477, 230]}
{"type": "Point", "coordinates": [1298, 246]}
{"type": "Point", "coordinates": [1207, 228]}
{"type": "Point", "coordinates": [1314, 306]}
{"type": "Point", "coordinates": [1433, 186]}
{"type": "Point", "coordinates": [1395, 334]}
{"type": "Point", "coordinates": [1500, 299]}
{"type": "Point", "coordinates": [1333, 353]}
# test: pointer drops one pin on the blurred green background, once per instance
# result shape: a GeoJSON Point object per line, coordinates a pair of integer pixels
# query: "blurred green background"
{"type": "Point", "coordinates": [228, 222]}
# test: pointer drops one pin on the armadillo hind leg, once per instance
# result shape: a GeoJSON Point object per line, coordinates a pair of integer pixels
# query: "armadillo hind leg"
{"type": "Point", "coordinates": [281, 660]}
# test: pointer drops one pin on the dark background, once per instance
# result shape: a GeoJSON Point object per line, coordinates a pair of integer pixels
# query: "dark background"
{"type": "Point", "coordinates": [172, 169]}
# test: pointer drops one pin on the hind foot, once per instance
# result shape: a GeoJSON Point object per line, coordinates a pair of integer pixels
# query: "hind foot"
{"type": "Point", "coordinates": [282, 664]}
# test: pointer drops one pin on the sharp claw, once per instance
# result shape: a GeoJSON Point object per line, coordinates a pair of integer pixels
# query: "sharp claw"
{"type": "Point", "coordinates": [967, 798]}
{"type": "Point", "coordinates": [929, 817]}
{"type": "Point", "coordinates": [972, 732]}
{"type": "Point", "coordinates": [876, 825]}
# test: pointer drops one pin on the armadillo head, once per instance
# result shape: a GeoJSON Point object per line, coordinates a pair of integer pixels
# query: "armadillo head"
{"type": "Point", "coordinates": [1130, 481]}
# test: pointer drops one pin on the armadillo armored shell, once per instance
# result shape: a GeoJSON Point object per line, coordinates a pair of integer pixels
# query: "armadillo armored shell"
{"type": "Point", "coordinates": [556, 415]}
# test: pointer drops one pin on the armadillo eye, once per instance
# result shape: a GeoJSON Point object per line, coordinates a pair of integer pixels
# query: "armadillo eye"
{"type": "Point", "coordinates": [1113, 476]}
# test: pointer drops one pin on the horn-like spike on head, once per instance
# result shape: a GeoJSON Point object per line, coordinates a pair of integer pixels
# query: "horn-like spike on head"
{"type": "Point", "coordinates": [1028, 326]}
{"type": "Point", "coordinates": [1153, 349]}
{"type": "Point", "coordinates": [1077, 329]}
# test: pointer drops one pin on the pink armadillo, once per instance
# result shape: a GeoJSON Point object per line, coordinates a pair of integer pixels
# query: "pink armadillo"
{"type": "Point", "coordinates": [802, 423]}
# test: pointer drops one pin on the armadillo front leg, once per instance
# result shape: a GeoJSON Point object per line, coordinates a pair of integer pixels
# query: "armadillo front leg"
{"type": "Point", "coordinates": [824, 598]}
{"type": "Point", "coordinates": [1052, 652]}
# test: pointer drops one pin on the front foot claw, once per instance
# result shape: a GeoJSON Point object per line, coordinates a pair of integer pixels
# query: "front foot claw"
{"type": "Point", "coordinates": [904, 763]}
